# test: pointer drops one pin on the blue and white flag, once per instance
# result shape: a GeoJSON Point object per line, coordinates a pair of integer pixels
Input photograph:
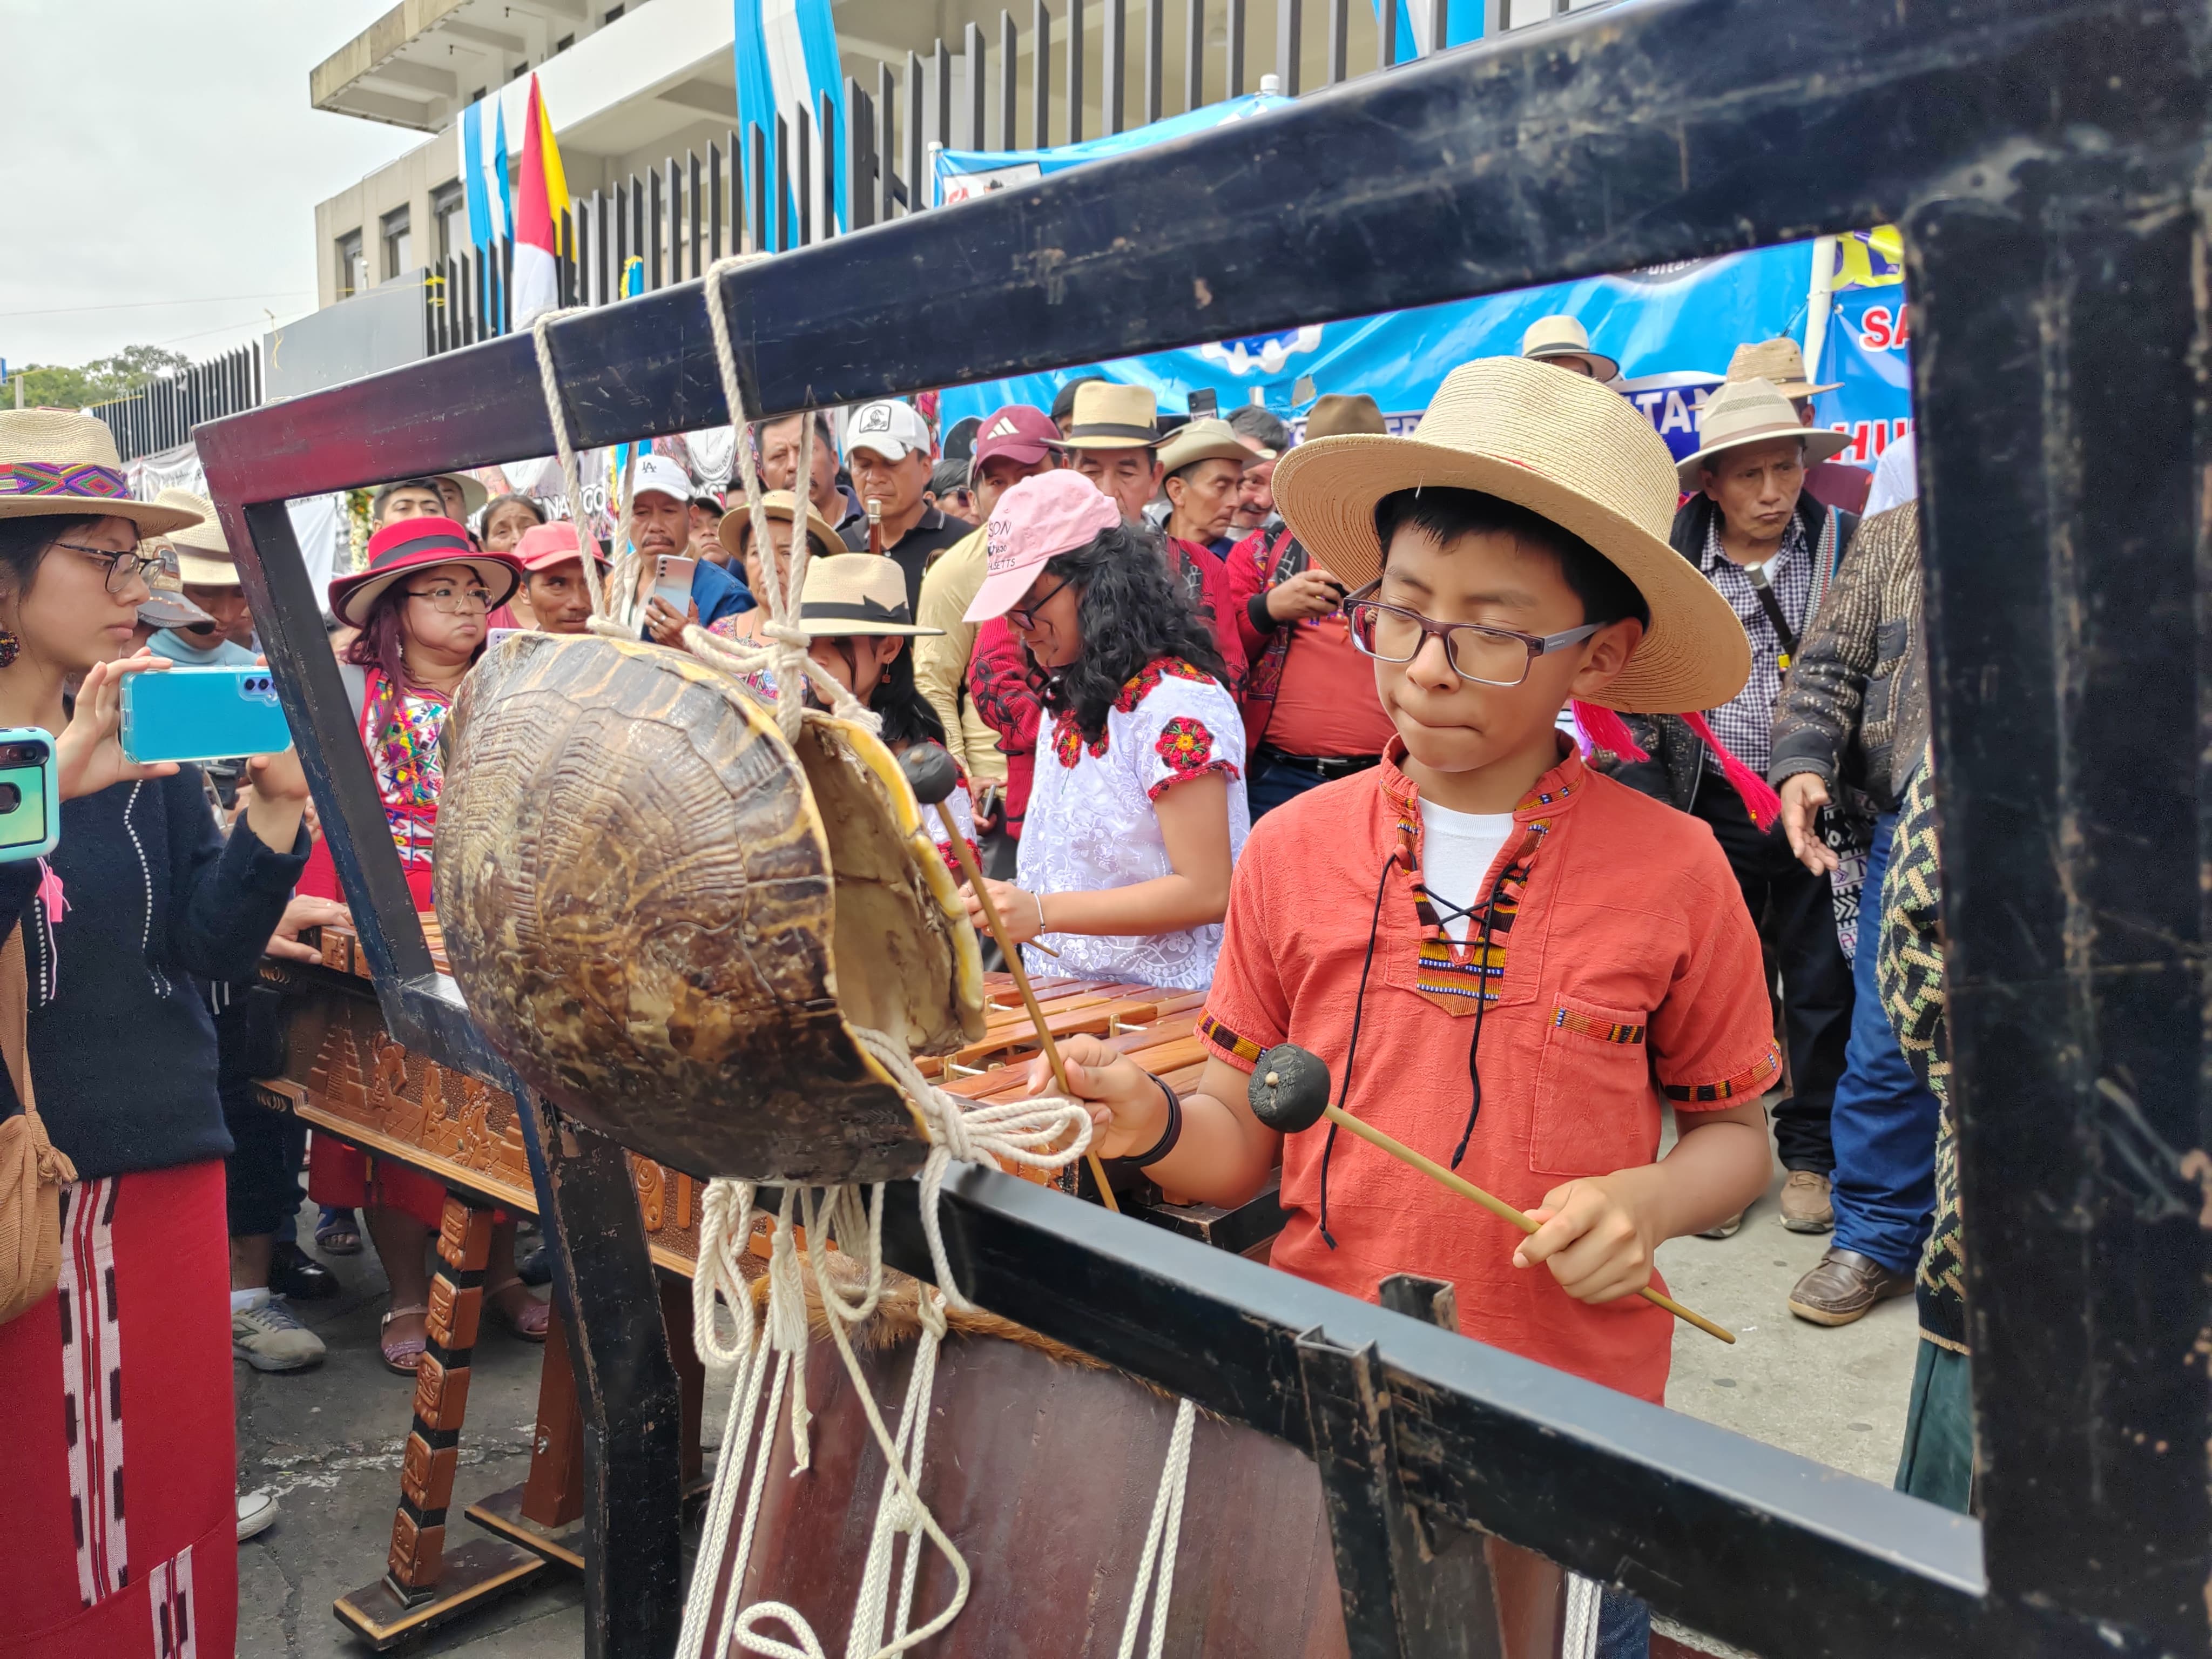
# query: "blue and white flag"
{"type": "Point", "coordinates": [505, 195]}
{"type": "Point", "coordinates": [787, 59]}
{"type": "Point", "coordinates": [484, 177]}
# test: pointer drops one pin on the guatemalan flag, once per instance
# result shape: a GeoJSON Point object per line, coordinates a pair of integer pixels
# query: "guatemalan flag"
{"type": "Point", "coordinates": [786, 52]}
{"type": "Point", "coordinates": [543, 198]}
{"type": "Point", "coordinates": [483, 175]}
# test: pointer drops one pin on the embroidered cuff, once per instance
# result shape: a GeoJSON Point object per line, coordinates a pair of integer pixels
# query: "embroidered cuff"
{"type": "Point", "coordinates": [1224, 1044]}
{"type": "Point", "coordinates": [1747, 1085]}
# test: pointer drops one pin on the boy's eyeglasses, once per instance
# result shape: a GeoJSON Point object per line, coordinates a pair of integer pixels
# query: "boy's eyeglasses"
{"type": "Point", "coordinates": [453, 601]}
{"type": "Point", "coordinates": [122, 568]}
{"type": "Point", "coordinates": [1488, 656]}
{"type": "Point", "coordinates": [1025, 616]}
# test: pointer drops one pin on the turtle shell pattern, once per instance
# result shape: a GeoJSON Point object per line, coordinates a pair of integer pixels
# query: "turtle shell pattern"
{"type": "Point", "coordinates": [643, 890]}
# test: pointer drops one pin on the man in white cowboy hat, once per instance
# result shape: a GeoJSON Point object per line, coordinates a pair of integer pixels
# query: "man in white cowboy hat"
{"type": "Point", "coordinates": [1202, 464]}
{"type": "Point", "coordinates": [1831, 483]}
{"type": "Point", "coordinates": [887, 451]}
{"type": "Point", "coordinates": [1113, 431]}
{"type": "Point", "coordinates": [1508, 933]}
{"type": "Point", "coordinates": [1563, 343]}
{"type": "Point", "coordinates": [660, 493]}
{"type": "Point", "coordinates": [224, 636]}
{"type": "Point", "coordinates": [1771, 551]}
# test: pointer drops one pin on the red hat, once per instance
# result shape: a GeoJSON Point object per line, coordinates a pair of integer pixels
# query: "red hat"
{"type": "Point", "coordinates": [544, 546]}
{"type": "Point", "coordinates": [406, 544]}
{"type": "Point", "coordinates": [1018, 432]}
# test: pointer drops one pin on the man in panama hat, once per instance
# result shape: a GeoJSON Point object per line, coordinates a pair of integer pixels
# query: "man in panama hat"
{"type": "Point", "coordinates": [1831, 483]}
{"type": "Point", "coordinates": [1563, 343]}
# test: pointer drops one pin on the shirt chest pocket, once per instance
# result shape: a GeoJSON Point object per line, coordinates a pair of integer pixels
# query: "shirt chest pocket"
{"type": "Point", "coordinates": [1595, 1109]}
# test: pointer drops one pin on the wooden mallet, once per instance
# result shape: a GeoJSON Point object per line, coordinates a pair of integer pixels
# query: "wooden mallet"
{"type": "Point", "coordinates": [1289, 1091]}
{"type": "Point", "coordinates": [933, 776]}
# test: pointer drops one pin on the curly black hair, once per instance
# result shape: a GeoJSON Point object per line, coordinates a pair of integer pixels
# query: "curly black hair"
{"type": "Point", "coordinates": [1133, 612]}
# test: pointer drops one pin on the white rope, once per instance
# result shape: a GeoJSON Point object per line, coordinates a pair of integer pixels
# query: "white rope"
{"type": "Point", "coordinates": [1580, 1627]}
{"type": "Point", "coordinates": [894, 1515]}
{"type": "Point", "coordinates": [1162, 1538]}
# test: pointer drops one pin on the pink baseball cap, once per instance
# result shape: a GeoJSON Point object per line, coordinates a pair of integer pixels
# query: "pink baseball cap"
{"type": "Point", "coordinates": [544, 546]}
{"type": "Point", "coordinates": [1037, 521]}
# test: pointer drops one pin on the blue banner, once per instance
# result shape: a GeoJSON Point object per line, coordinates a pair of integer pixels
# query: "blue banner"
{"type": "Point", "coordinates": [1868, 347]}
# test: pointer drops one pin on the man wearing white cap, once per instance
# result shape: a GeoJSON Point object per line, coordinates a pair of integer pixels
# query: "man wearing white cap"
{"type": "Point", "coordinates": [660, 493]}
{"type": "Point", "coordinates": [887, 451]}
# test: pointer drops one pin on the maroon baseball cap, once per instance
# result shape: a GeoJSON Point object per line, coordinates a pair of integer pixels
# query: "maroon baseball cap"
{"type": "Point", "coordinates": [1019, 432]}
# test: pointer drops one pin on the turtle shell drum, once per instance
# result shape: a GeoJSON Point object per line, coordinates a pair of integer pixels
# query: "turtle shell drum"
{"type": "Point", "coordinates": [664, 915]}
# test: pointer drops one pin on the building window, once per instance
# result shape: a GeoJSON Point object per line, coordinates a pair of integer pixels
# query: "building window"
{"type": "Point", "coordinates": [477, 96]}
{"type": "Point", "coordinates": [608, 16]}
{"type": "Point", "coordinates": [398, 243]}
{"type": "Point", "coordinates": [353, 269]}
{"type": "Point", "coordinates": [449, 211]}
{"type": "Point", "coordinates": [521, 69]}
{"type": "Point", "coordinates": [563, 43]}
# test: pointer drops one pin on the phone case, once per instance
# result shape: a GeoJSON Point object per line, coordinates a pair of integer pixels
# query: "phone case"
{"type": "Point", "coordinates": [30, 799]}
{"type": "Point", "coordinates": [201, 715]}
{"type": "Point", "coordinates": [676, 594]}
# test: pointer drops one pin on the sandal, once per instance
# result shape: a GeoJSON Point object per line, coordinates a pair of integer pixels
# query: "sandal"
{"type": "Point", "coordinates": [526, 1319]}
{"type": "Point", "coordinates": [401, 1354]}
{"type": "Point", "coordinates": [337, 1232]}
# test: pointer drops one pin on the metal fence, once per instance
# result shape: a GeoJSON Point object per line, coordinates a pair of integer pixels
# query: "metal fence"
{"type": "Point", "coordinates": [162, 414]}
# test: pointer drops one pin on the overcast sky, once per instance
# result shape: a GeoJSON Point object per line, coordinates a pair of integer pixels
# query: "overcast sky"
{"type": "Point", "coordinates": [160, 166]}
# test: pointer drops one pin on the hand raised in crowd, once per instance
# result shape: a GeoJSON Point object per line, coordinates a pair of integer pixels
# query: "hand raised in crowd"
{"type": "Point", "coordinates": [303, 912]}
{"type": "Point", "coordinates": [1312, 592]}
{"type": "Point", "coordinates": [1802, 796]}
{"type": "Point", "coordinates": [89, 755]}
{"type": "Point", "coordinates": [664, 625]}
{"type": "Point", "coordinates": [1596, 1243]}
{"type": "Point", "coordinates": [1021, 912]}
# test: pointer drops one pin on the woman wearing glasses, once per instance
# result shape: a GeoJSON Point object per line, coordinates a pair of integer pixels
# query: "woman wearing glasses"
{"type": "Point", "coordinates": [422, 606]}
{"type": "Point", "coordinates": [1138, 809]}
{"type": "Point", "coordinates": [122, 1361]}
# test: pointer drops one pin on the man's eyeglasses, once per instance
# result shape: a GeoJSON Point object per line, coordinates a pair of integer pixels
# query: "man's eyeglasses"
{"type": "Point", "coordinates": [1024, 616]}
{"type": "Point", "coordinates": [453, 601]}
{"type": "Point", "coordinates": [122, 568]}
{"type": "Point", "coordinates": [1488, 656]}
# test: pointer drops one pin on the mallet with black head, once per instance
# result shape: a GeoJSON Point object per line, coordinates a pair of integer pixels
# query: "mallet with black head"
{"type": "Point", "coordinates": [1289, 1091]}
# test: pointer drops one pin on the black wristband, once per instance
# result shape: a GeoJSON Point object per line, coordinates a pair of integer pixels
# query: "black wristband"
{"type": "Point", "coordinates": [1261, 617]}
{"type": "Point", "coordinates": [1168, 1136]}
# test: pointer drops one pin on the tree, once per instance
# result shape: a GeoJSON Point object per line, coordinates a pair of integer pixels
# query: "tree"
{"type": "Point", "coordinates": [52, 386]}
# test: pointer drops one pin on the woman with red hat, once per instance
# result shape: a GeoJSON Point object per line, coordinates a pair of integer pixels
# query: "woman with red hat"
{"type": "Point", "coordinates": [423, 606]}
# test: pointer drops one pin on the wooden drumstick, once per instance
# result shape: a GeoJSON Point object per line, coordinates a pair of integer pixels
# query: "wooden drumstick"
{"type": "Point", "coordinates": [929, 770]}
{"type": "Point", "coordinates": [1289, 1091]}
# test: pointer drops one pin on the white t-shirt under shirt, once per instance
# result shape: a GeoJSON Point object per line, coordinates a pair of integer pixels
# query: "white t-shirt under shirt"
{"type": "Point", "coordinates": [1457, 849]}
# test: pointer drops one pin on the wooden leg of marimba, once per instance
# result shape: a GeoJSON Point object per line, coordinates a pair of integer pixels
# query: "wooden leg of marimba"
{"type": "Point", "coordinates": [544, 1514]}
{"type": "Point", "coordinates": [690, 1378]}
{"type": "Point", "coordinates": [423, 1585]}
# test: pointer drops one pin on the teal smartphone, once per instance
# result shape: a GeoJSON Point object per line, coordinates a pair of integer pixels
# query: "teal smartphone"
{"type": "Point", "coordinates": [30, 801]}
{"type": "Point", "coordinates": [201, 715]}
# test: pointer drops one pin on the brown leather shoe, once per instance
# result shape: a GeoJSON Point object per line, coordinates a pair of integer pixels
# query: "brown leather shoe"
{"type": "Point", "coordinates": [1844, 1286]}
{"type": "Point", "coordinates": [1805, 1205]}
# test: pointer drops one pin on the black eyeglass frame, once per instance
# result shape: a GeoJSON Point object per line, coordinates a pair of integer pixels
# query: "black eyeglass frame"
{"type": "Point", "coordinates": [142, 564]}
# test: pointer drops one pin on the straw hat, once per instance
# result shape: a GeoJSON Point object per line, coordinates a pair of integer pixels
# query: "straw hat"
{"type": "Point", "coordinates": [1778, 361]}
{"type": "Point", "coordinates": [779, 504]}
{"type": "Point", "coordinates": [166, 605]}
{"type": "Point", "coordinates": [1108, 414]}
{"type": "Point", "coordinates": [1207, 440]}
{"type": "Point", "coordinates": [1752, 412]}
{"type": "Point", "coordinates": [1338, 413]}
{"type": "Point", "coordinates": [1559, 445]}
{"type": "Point", "coordinates": [56, 461]}
{"type": "Point", "coordinates": [857, 593]}
{"type": "Point", "coordinates": [1562, 336]}
{"type": "Point", "coordinates": [202, 538]}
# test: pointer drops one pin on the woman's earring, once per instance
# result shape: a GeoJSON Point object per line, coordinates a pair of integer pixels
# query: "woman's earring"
{"type": "Point", "coordinates": [10, 646]}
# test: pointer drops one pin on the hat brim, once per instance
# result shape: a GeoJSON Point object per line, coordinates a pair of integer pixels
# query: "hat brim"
{"type": "Point", "coordinates": [1820, 445]}
{"type": "Point", "coordinates": [1693, 656]}
{"type": "Point", "coordinates": [150, 518]}
{"type": "Point", "coordinates": [1001, 592]}
{"type": "Point", "coordinates": [351, 596]}
{"type": "Point", "coordinates": [1118, 437]}
{"type": "Point", "coordinates": [475, 494]}
{"type": "Point", "coordinates": [836, 628]}
{"type": "Point", "coordinates": [171, 610]}
{"type": "Point", "coordinates": [205, 573]}
{"type": "Point", "coordinates": [738, 523]}
{"type": "Point", "coordinates": [1175, 461]}
{"type": "Point", "coordinates": [1545, 354]}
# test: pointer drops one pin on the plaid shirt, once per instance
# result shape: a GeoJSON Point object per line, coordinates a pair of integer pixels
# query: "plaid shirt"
{"type": "Point", "coordinates": [1746, 722]}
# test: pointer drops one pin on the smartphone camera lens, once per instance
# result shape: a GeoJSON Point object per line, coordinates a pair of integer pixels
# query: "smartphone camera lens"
{"type": "Point", "coordinates": [10, 797]}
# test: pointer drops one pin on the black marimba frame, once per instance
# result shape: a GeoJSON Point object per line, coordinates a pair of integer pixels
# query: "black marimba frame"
{"type": "Point", "coordinates": [2047, 162]}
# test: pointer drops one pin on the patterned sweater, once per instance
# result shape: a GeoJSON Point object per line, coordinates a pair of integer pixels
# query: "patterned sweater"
{"type": "Point", "coordinates": [1856, 705]}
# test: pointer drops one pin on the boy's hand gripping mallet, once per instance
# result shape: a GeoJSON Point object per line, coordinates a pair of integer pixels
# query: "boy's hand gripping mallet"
{"type": "Point", "coordinates": [1289, 1091]}
{"type": "Point", "coordinates": [932, 775]}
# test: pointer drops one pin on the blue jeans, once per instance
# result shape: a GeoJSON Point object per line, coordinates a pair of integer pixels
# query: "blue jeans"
{"type": "Point", "coordinates": [1884, 1119]}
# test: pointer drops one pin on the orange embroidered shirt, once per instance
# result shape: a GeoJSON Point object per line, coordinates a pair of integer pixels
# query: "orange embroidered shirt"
{"type": "Point", "coordinates": [1622, 967]}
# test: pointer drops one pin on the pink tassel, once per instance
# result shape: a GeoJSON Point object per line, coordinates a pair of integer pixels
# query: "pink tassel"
{"type": "Point", "coordinates": [50, 894]}
{"type": "Point", "coordinates": [1766, 805]}
{"type": "Point", "coordinates": [1606, 730]}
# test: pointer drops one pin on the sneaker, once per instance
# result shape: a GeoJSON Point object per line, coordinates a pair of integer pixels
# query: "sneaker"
{"type": "Point", "coordinates": [268, 1339]}
{"type": "Point", "coordinates": [1727, 1228]}
{"type": "Point", "coordinates": [256, 1510]}
{"type": "Point", "coordinates": [1805, 1203]}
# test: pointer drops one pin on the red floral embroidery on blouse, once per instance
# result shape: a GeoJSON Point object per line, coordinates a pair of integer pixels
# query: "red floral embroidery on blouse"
{"type": "Point", "coordinates": [1141, 683]}
{"type": "Point", "coordinates": [1067, 742]}
{"type": "Point", "coordinates": [1186, 745]}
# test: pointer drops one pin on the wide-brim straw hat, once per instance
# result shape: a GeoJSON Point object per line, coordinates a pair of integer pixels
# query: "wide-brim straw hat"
{"type": "Point", "coordinates": [165, 604]}
{"type": "Point", "coordinates": [1752, 412]}
{"type": "Point", "coordinates": [1780, 361]}
{"type": "Point", "coordinates": [857, 593]}
{"type": "Point", "coordinates": [56, 463]}
{"type": "Point", "coordinates": [1564, 336]}
{"type": "Point", "coordinates": [737, 524]}
{"type": "Point", "coordinates": [202, 555]}
{"type": "Point", "coordinates": [406, 545]}
{"type": "Point", "coordinates": [1108, 414]}
{"type": "Point", "coordinates": [1564, 448]}
{"type": "Point", "coordinates": [1207, 440]}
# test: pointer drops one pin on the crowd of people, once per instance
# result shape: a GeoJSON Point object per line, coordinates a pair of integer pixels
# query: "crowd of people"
{"type": "Point", "coordinates": [1512, 760]}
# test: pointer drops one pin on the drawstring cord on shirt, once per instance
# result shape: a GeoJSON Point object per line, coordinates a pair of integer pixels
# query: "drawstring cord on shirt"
{"type": "Point", "coordinates": [1351, 1051]}
{"type": "Point", "coordinates": [1448, 913]}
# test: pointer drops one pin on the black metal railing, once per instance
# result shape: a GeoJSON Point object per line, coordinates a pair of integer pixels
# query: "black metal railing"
{"type": "Point", "coordinates": [162, 413]}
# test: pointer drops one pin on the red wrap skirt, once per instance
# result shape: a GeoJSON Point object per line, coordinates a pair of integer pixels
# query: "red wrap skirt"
{"type": "Point", "coordinates": [119, 1534]}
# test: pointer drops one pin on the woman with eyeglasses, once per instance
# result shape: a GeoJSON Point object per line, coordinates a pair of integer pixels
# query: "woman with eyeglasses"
{"type": "Point", "coordinates": [1137, 811]}
{"type": "Point", "coordinates": [422, 606]}
{"type": "Point", "coordinates": [119, 1379]}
